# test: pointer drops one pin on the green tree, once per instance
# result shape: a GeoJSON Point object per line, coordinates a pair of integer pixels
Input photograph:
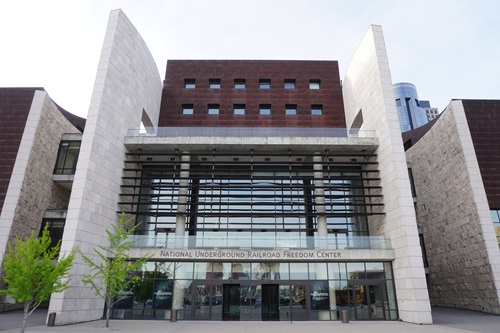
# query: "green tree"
{"type": "Point", "coordinates": [112, 272]}
{"type": "Point", "coordinates": [33, 272]}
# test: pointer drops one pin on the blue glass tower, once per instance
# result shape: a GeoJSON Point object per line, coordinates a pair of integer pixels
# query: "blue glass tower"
{"type": "Point", "coordinates": [411, 113]}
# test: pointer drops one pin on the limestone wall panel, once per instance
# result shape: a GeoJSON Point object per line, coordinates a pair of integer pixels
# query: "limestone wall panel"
{"type": "Point", "coordinates": [452, 213]}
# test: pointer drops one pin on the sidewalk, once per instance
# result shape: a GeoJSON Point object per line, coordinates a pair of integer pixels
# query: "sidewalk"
{"type": "Point", "coordinates": [445, 321]}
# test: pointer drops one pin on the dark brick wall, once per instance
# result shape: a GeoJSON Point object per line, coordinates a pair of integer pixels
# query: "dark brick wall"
{"type": "Point", "coordinates": [483, 118]}
{"type": "Point", "coordinates": [15, 104]}
{"type": "Point", "coordinates": [174, 94]}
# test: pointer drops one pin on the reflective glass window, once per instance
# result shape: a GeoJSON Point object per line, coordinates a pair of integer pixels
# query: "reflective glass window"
{"type": "Point", "coordinates": [299, 271]}
{"type": "Point", "coordinates": [265, 109]}
{"type": "Point", "coordinates": [356, 270]}
{"type": "Point", "coordinates": [316, 109]}
{"type": "Point", "coordinates": [67, 157]}
{"type": "Point", "coordinates": [187, 108]}
{"type": "Point", "coordinates": [214, 83]}
{"type": "Point", "coordinates": [239, 109]}
{"type": "Point", "coordinates": [289, 84]}
{"type": "Point", "coordinates": [213, 109]}
{"type": "Point", "coordinates": [314, 84]}
{"type": "Point", "coordinates": [189, 83]}
{"type": "Point", "coordinates": [184, 270]}
{"type": "Point", "coordinates": [239, 83]}
{"type": "Point", "coordinates": [265, 84]}
{"type": "Point", "coordinates": [290, 109]}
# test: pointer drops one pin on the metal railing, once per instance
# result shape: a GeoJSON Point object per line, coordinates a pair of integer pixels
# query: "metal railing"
{"type": "Point", "coordinates": [331, 242]}
{"type": "Point", "coordinates": [250, 132]}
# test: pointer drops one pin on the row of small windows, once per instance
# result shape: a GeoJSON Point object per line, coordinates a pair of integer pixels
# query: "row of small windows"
{"type": "Point", "coordinates": [241, 84]}
{"type": "Point", "coordinates": [264, 109]}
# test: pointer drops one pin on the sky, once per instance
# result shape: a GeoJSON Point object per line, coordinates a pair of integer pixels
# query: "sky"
{"type": "Point", "coordinates": [450, 49]}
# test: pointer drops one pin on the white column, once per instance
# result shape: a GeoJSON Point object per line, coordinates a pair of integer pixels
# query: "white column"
{"type": "Point", "coordinates": [180, 221]}
{"type": "Point", "coordinates": [319, 194]}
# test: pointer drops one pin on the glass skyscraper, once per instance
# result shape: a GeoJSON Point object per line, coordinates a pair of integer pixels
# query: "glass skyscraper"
{"type": "Point", "coordinates": [411, 113]}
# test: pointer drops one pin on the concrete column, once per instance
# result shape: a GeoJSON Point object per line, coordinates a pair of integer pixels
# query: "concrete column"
{"type": "Point", "coordinates": [180, 221]}
{"type": "Point", "coordinates": [319, 193]}
{"type": "Point", "coordinates": [178, 297]}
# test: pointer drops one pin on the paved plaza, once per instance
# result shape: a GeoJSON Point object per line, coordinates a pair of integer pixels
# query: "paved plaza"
{"type": "Point", "coordinates": [445, 321]}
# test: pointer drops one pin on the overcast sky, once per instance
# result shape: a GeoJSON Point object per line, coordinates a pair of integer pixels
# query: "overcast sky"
{"type": "Point", "coordinates": [447, 48]}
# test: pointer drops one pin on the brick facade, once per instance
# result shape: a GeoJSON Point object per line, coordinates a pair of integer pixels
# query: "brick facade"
{"type": "Point", "coordinates": [329, 95]}
{"type": "Point", "coordinates": [15, 105]}
{"type": "Point", "coordinates": [483, 118]}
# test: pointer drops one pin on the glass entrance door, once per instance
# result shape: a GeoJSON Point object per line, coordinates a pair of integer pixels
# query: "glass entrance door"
{"type": "Point", "coordinates": [231, 302]}
{"type": "Point", "coordinates": [298, 301]}
{"type": "Point", "coordinates": [270, 302]}
{"type": "Point", "coordinates": [369, 300]}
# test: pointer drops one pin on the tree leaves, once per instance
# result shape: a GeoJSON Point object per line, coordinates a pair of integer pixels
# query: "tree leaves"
{"type": "Point", "coordinates": [114, 270]}
{"type": "Point", "coordinates": [33, 271]}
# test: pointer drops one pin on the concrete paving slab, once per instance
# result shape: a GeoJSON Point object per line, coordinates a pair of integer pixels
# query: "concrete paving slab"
{"type": "Point", "coordinates": [446, 321]}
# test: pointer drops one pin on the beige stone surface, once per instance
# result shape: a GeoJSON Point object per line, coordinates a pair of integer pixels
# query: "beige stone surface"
{"type": "Point", "coordinates": [453, 215]}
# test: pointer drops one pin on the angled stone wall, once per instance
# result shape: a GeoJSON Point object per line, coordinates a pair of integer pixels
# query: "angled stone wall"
{"type": "Point", "coordinates": [368, 91]}
{"type": "Point", "coordinates": [127, 84]}
{"type": "Point", "coordinates": [453, 214]}
{"type": "Point", "coordinates": [31, 190]}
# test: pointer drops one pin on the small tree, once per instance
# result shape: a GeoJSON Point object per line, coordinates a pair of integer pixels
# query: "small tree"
{"type": "Point", "coordinates": [33, 273]}
{"type": "Point", "coordinates": [112, 273]}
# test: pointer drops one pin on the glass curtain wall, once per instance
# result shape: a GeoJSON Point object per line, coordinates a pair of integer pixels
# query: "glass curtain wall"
{"type": "Point", "coordinates": [241, 203]}
{"type": "Point", "coordinates": [297, 291]}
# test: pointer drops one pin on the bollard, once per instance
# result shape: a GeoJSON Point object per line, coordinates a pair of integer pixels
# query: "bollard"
{"type": "Point", "coordinates": [173, 315]}
{"type": "Point", "coordinates": [345, 317]}
{"type": "Point", "coordinates": [52, 319]}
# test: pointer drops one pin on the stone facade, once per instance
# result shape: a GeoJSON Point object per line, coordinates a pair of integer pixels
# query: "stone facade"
{"type": "Point", "coordinates": [31, 190]}
{"type": "Point", "coordinates": [127, 85]}
{"type": "Point", "coordinates": [368, 95]}
{"type": "Point", "coordinates": [453, 214]}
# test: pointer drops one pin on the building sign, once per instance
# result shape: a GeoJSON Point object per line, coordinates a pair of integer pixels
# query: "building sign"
{"type": "Point", "coordinates": [261, 255]}
{"type": "Point", "coordinates": [320, 299]}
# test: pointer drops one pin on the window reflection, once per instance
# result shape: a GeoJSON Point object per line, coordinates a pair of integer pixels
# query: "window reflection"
{"type": "Point", "coordinates": [67, 157]}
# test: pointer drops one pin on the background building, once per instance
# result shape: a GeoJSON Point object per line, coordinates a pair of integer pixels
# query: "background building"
{"type": "Point", "coordinates": [411, 114]}
{"type": "Point", "coordinates": [430, 111]}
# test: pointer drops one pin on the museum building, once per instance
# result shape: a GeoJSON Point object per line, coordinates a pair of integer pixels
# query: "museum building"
{"type": "Point", "coordinates": [262, 190]}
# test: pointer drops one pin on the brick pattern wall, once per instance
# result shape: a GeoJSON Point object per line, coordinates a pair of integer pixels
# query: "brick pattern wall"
{"type": "Point", "coordinates": [15, 104]}
{"type": "Point", "coordinates": [483, 118]}
{"type": "Point", "coordinates": [460, 271]}
{"type": "Point", "coordinates": [38, 192]}
{"type": "Point", "coordinates": [329, 94]}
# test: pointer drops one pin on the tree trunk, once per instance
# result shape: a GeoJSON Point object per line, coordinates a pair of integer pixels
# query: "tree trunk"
{"type": "Point", "coordinates": [26, 314]}
{"type": "Point", "coordinates": [108, 310]}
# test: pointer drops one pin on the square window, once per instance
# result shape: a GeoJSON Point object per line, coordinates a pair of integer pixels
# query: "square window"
{"type": "Point", "coordinates": [189, 83]}
{"type": "Point", "coordinates": [265, 109]}
{"type": "Point", "coordinates": [289, 84]}
{"type": "Point", "coordinates": [316, 109]}
{"type": "Point", "coordinates": [314, 84]}
{"type": "Point", "coordinates": [291, 109]}
{"type": "Point", "coordinates": [213, 108]}
{"type": "Point", "coordinates": [214, 83]}
{"type": "Point", "coordinates": [265, 84]}
{"type": "Point", "coordinates": [239, 83]}
{"type": "Point", "coordinates": [239, 109]}
{"type": "Point", "coordinates": [187, 108]}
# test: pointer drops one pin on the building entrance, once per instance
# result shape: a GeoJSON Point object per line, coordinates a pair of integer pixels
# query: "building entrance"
{"type": "Point", "coordinates": [249, 300]}
{"type": "Point", "coordinates": [369, 299]}
{"type": "Point", "coordinates": [231, 302]}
